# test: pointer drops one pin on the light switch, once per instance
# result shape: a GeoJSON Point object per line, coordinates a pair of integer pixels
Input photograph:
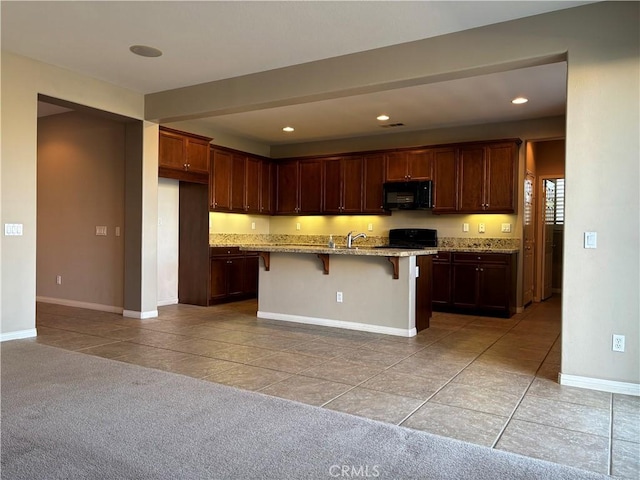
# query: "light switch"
{"type": "Point", "coordinates": [590, 240]}
{"type": "Point", "coordinates": [13, 229]}
{"type": "Point", "coordinates": [117, 231]}
{"type": "Point", "coordinates": [101, 230]}
{"type": "Point", "coordinates": [465, 227]}
{"type": "Point", "coordinates": [253, 225]}
{"type": "Point", "coordinates": [506, 228]}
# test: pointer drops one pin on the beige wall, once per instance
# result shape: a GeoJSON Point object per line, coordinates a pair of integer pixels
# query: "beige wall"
{"type": "Point", "coordinates": [600, 43]}
{"type": "Point", "coordinates": [22, 80]}
{"type": "Point", "coordinates": [549, 158]}
{"type": "Point", "coordinates": [80, 185]}
{"type": "Point", "coordinates": [168, 217]}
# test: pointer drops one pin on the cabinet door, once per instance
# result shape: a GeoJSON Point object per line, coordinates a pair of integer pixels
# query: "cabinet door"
{"type": "Point", "coordinates": [218, 272]}
{"type": "Point", "coordinates": [235, 278]}
{"type": "Point", "coordinates": [445, 175]}
{"type": "Point", "coordinates": [333, 185]}
{"type": "Point", "coordinates": [287, 187]}
{"type": "Point", "coordinates": [238, 172]}
{"type": "Point", "coordinates": [197, 156]}
{"type": "Point", "coordinates": [253, 179]}
{"type": "Point", "coordinates": [419, 164]}
{"type": "Point", "coordinates": [221, 181]}
{"type": "Point", "coordinates": [465, 281]}
{"type": "Point", "coordinates": [374, 170]}
{"type": "Point", "coordinates": [500, 177]}
{"type": "Point", "coordinates": [251, 275]}
{"type": "Point", "coordinates": [397, 167]}
{"type": "Point", "coordinates": [171, 153]}
{"type": "Point", "coordinates": [310, 187]}
{"type": "Point", "coordinates": [266, 187]}
{"type": "Point", "coordinates": [441, 293]}
{"type": "Point", "coordinates": [493, 287]}
{"type": "Point", "coordinates": [352, 178]}
{"type": "Point", "coordinates": [424, 291]}
{"type": "Point", "coordinates": [471, 179]}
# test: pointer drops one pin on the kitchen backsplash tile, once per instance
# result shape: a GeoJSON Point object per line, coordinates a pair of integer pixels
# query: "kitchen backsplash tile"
{"type": "Point", "coordinates": [448, 243]}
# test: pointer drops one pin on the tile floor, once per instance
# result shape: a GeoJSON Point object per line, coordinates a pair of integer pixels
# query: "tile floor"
{"type": "Point", "coordinates": [482, 380]}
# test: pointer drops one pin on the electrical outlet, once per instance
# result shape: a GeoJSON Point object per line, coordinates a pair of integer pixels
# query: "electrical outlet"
{"type": "Point", "coordinates": [618, 343]}
{"type": "Point", "coordinates": [297, 226]}
{"type": "Point", "coordinates": [59, 279]}
{"type": "Point", "coordinates": [370, 227]}
{"type": "Point", "coordinates": [481, 228]}
{"type": "Point", "coordinates": [253, 225]}
{"type": "Point", "coordinates": [117, 231]}
{"type": "Point", "coordinates": [465, 227]}
{"type": "Point", "coordinates": [339, 297]}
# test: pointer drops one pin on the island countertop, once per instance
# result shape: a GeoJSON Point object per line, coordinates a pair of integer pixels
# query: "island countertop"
{"type": "Point", "coordinates": [339, 250]}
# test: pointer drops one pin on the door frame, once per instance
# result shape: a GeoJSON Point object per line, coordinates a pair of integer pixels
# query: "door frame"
{"type": "Point", "coordinates": [539, 229]}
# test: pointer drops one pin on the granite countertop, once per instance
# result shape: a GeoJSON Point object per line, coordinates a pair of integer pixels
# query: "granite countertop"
{"type": "Point", "coordinates": [339, 250]}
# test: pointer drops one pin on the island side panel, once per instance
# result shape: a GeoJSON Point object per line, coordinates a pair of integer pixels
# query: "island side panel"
{"type": "Point", "coordinates": [295, 289]}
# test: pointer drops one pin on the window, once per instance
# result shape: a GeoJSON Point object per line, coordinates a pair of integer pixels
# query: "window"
{"type": "Point", "coordinates": [554, 201]}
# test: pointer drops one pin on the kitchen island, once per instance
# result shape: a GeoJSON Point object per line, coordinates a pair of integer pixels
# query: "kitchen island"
{"type": "Point", "coordinates": [383, 290]}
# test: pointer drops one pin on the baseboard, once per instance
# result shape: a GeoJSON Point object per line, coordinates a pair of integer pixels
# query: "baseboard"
{"type": "Point", "coordinates": [164, 303]}
{"type": "Point", "coordinates": [75, 303]}
{"type": "Point", "coordinates": [519, 309]}
{"type": "Point", "coordinates": [610, 386]}
{"type": "Point", "coordinates": [140, 315]}
{"type": "Point", "coordinates": [363, 327]}
{"type": "Point", "coordinates": [18, 335]}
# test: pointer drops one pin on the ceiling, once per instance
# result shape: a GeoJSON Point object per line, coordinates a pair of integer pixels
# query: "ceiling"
{"type": "Point", "coordinates": [206, 41]}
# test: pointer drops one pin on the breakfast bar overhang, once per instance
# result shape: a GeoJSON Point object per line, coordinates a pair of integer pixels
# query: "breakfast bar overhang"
{"type": "Point", "coordinates": [381, 290]}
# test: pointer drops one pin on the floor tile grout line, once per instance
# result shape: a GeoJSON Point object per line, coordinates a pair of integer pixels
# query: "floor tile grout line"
{"type": "Point", "coordinates": [513, 411]}
{"type": "Point", "coordinates": [459, 372]}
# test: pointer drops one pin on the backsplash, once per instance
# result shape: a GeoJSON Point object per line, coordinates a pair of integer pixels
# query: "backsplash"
{"type": "Point", "coordinates": [449, 243]}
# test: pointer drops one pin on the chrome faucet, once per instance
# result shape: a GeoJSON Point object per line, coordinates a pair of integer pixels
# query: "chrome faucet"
{"type": "Point", "coordinates": [351, 238]}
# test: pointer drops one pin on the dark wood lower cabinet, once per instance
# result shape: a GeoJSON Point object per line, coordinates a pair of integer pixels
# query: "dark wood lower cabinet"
{"type": "Point", "coordinates": [233, 273]}
{"type": "Point", "coordinates": [468, 282]}
{"type": "Point", "coordinates": [423, 292]}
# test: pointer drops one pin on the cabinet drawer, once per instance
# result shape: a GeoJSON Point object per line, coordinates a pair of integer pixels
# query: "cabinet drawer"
{"type": "Point", "coordinates": [442, 257]}
{"type": "Point", "coordinates": [499, 258]}
{"type": "Point", "coordinates": [224, 251]}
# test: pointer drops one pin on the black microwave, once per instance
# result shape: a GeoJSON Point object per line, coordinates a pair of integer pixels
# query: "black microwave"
{"type": "Point", "coordinates": [416, 195]}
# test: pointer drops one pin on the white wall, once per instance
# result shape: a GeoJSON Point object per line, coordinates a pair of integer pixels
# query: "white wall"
{"type": "Point", "coordinates": [168, 207]}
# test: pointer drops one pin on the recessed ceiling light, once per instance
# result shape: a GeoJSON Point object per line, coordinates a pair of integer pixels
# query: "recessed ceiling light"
{"type": "Point", "coordinates": [383, 117]}
{"type": "Point", "coordinates": [519, 100]}
{"type": "Point", "coordinates": [145, 51]}
{"type": "Point", "coordinates": [288, 129]}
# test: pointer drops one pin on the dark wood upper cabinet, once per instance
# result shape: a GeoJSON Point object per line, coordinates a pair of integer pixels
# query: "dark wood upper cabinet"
{"type": "Point", "coordinates": [266, 187]}
{"type": "Point", "coordinates": [287, 187]}
{"type": "Point", "coordinates": [373, 180]}
{"type": "Point", "coordinates": [486, 176]}
{"type": "Point", "coordinates": [310, 187]}
{"type": "Point", "coordinates": [501, 171]}
{"type": "Point", "coordinates": [183, 156]}
{"type": "Point", "coordinates": [253, 185]}
{"type": "Point", "coordinates": [343, 184]}
{"type": "Point", "coordinates": [409, 165]}
{"type": "Point", "coordinates": [445, 180]}
{"type": "Point", "coordinates": [220, 184]}
{"type": "Point", "coordinates": [238, 182]}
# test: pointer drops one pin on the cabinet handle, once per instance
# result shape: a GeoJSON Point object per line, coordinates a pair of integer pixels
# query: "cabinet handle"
{"type": "Point", "coordinates": [479, 258]}
{"type": "Point", "coordinates": [482, 269]}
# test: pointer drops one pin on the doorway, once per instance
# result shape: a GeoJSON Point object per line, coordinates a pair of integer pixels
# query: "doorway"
{"type": "Point", "coordinates": [543, 220]}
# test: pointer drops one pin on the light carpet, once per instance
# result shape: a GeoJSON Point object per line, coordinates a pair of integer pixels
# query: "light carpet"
{"type": "Point", "coordinates": [70, 415]}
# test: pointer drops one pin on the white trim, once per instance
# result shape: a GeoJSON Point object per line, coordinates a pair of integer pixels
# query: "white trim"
{"type": "Point", "coordinates": [18, 335]}
{"type": "Point", "coordinates": [75, 303]}
{"type": "Point", "coordinates": [519, 309]}
{"type": "Point", "coordinates": [363, 327]}
{"type": "Point", "coordinates": [164, 303]}
{"type": "Point", "coordinates": [140, 315]}
{"type": "Point", "coordinates": [612, 386]}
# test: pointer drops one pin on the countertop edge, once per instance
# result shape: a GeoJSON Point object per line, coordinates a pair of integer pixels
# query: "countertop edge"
{"type": "Point", "coordinates": [367, 251]}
